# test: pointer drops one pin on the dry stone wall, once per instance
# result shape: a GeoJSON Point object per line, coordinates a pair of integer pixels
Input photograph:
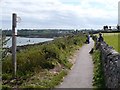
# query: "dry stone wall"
{"type": "Point", "coordinates": [111, 65]}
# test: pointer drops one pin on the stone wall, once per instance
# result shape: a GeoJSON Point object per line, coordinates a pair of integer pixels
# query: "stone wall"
{"type": "Point", "coordinates": [111, 65]}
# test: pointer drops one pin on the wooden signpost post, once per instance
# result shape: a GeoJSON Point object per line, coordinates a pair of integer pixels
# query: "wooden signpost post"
{"type": "Point", "coordinates": [14, 24]}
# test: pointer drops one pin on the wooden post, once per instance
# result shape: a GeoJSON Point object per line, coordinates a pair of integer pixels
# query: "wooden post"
{"type": "Point", "coordinates": [14, 16]}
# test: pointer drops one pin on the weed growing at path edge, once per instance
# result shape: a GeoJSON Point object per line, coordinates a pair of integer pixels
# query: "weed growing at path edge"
{"type": "Point", "coordinates": [98, 79]}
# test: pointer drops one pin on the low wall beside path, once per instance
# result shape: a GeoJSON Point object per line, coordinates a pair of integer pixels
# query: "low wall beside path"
{"type": "Point", "coordinates": [111, 65]}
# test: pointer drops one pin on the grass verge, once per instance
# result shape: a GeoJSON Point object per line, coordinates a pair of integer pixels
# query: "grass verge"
{"type": "Point", "coordinates": [98, 79]}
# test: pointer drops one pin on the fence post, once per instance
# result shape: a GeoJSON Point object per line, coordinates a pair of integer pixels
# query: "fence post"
{"type": "Point", "coordinates": [14, 21]}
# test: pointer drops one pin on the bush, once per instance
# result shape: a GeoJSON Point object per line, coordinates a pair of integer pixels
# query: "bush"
{"type": "Point", "coordinates": [51, 51]}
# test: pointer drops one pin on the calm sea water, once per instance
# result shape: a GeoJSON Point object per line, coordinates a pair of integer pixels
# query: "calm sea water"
{"type": "Point", "coordinates": [24, 41]}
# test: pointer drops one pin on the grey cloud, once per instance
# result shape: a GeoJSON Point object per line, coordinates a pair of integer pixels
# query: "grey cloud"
{"type": "Point", "coordinates": [50, 15]}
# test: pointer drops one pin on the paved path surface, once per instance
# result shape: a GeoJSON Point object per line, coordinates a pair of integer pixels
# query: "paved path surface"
{"type": "Point", "coordinates": [82, 72]}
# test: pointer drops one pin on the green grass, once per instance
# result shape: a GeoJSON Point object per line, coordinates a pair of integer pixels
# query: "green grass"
{"type": "Point", "coordinates": [41, 59]}
{"type": "Point", "coordinates": [49, 82]}
{"type": "Point", "coordinates": [113, 40]}
{"type": "Point", "coordinates": [98, 79]}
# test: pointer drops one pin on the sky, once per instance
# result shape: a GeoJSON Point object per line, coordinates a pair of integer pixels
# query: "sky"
{"type": "Point", "coordinates": [56, 14]}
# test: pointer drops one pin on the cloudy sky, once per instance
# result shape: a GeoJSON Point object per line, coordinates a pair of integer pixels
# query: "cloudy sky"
{"type": "Point", "coordinates": [73, 14]}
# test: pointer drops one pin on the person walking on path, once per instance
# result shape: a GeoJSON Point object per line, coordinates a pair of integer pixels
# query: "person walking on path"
{"type": "Point", "coordinates": [88, 39]}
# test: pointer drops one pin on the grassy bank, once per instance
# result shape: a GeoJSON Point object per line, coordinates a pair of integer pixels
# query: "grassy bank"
{"type": "Point", "coordinates": [42, 66]}
{"type": "Point", "coordinates": [98, 79]}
